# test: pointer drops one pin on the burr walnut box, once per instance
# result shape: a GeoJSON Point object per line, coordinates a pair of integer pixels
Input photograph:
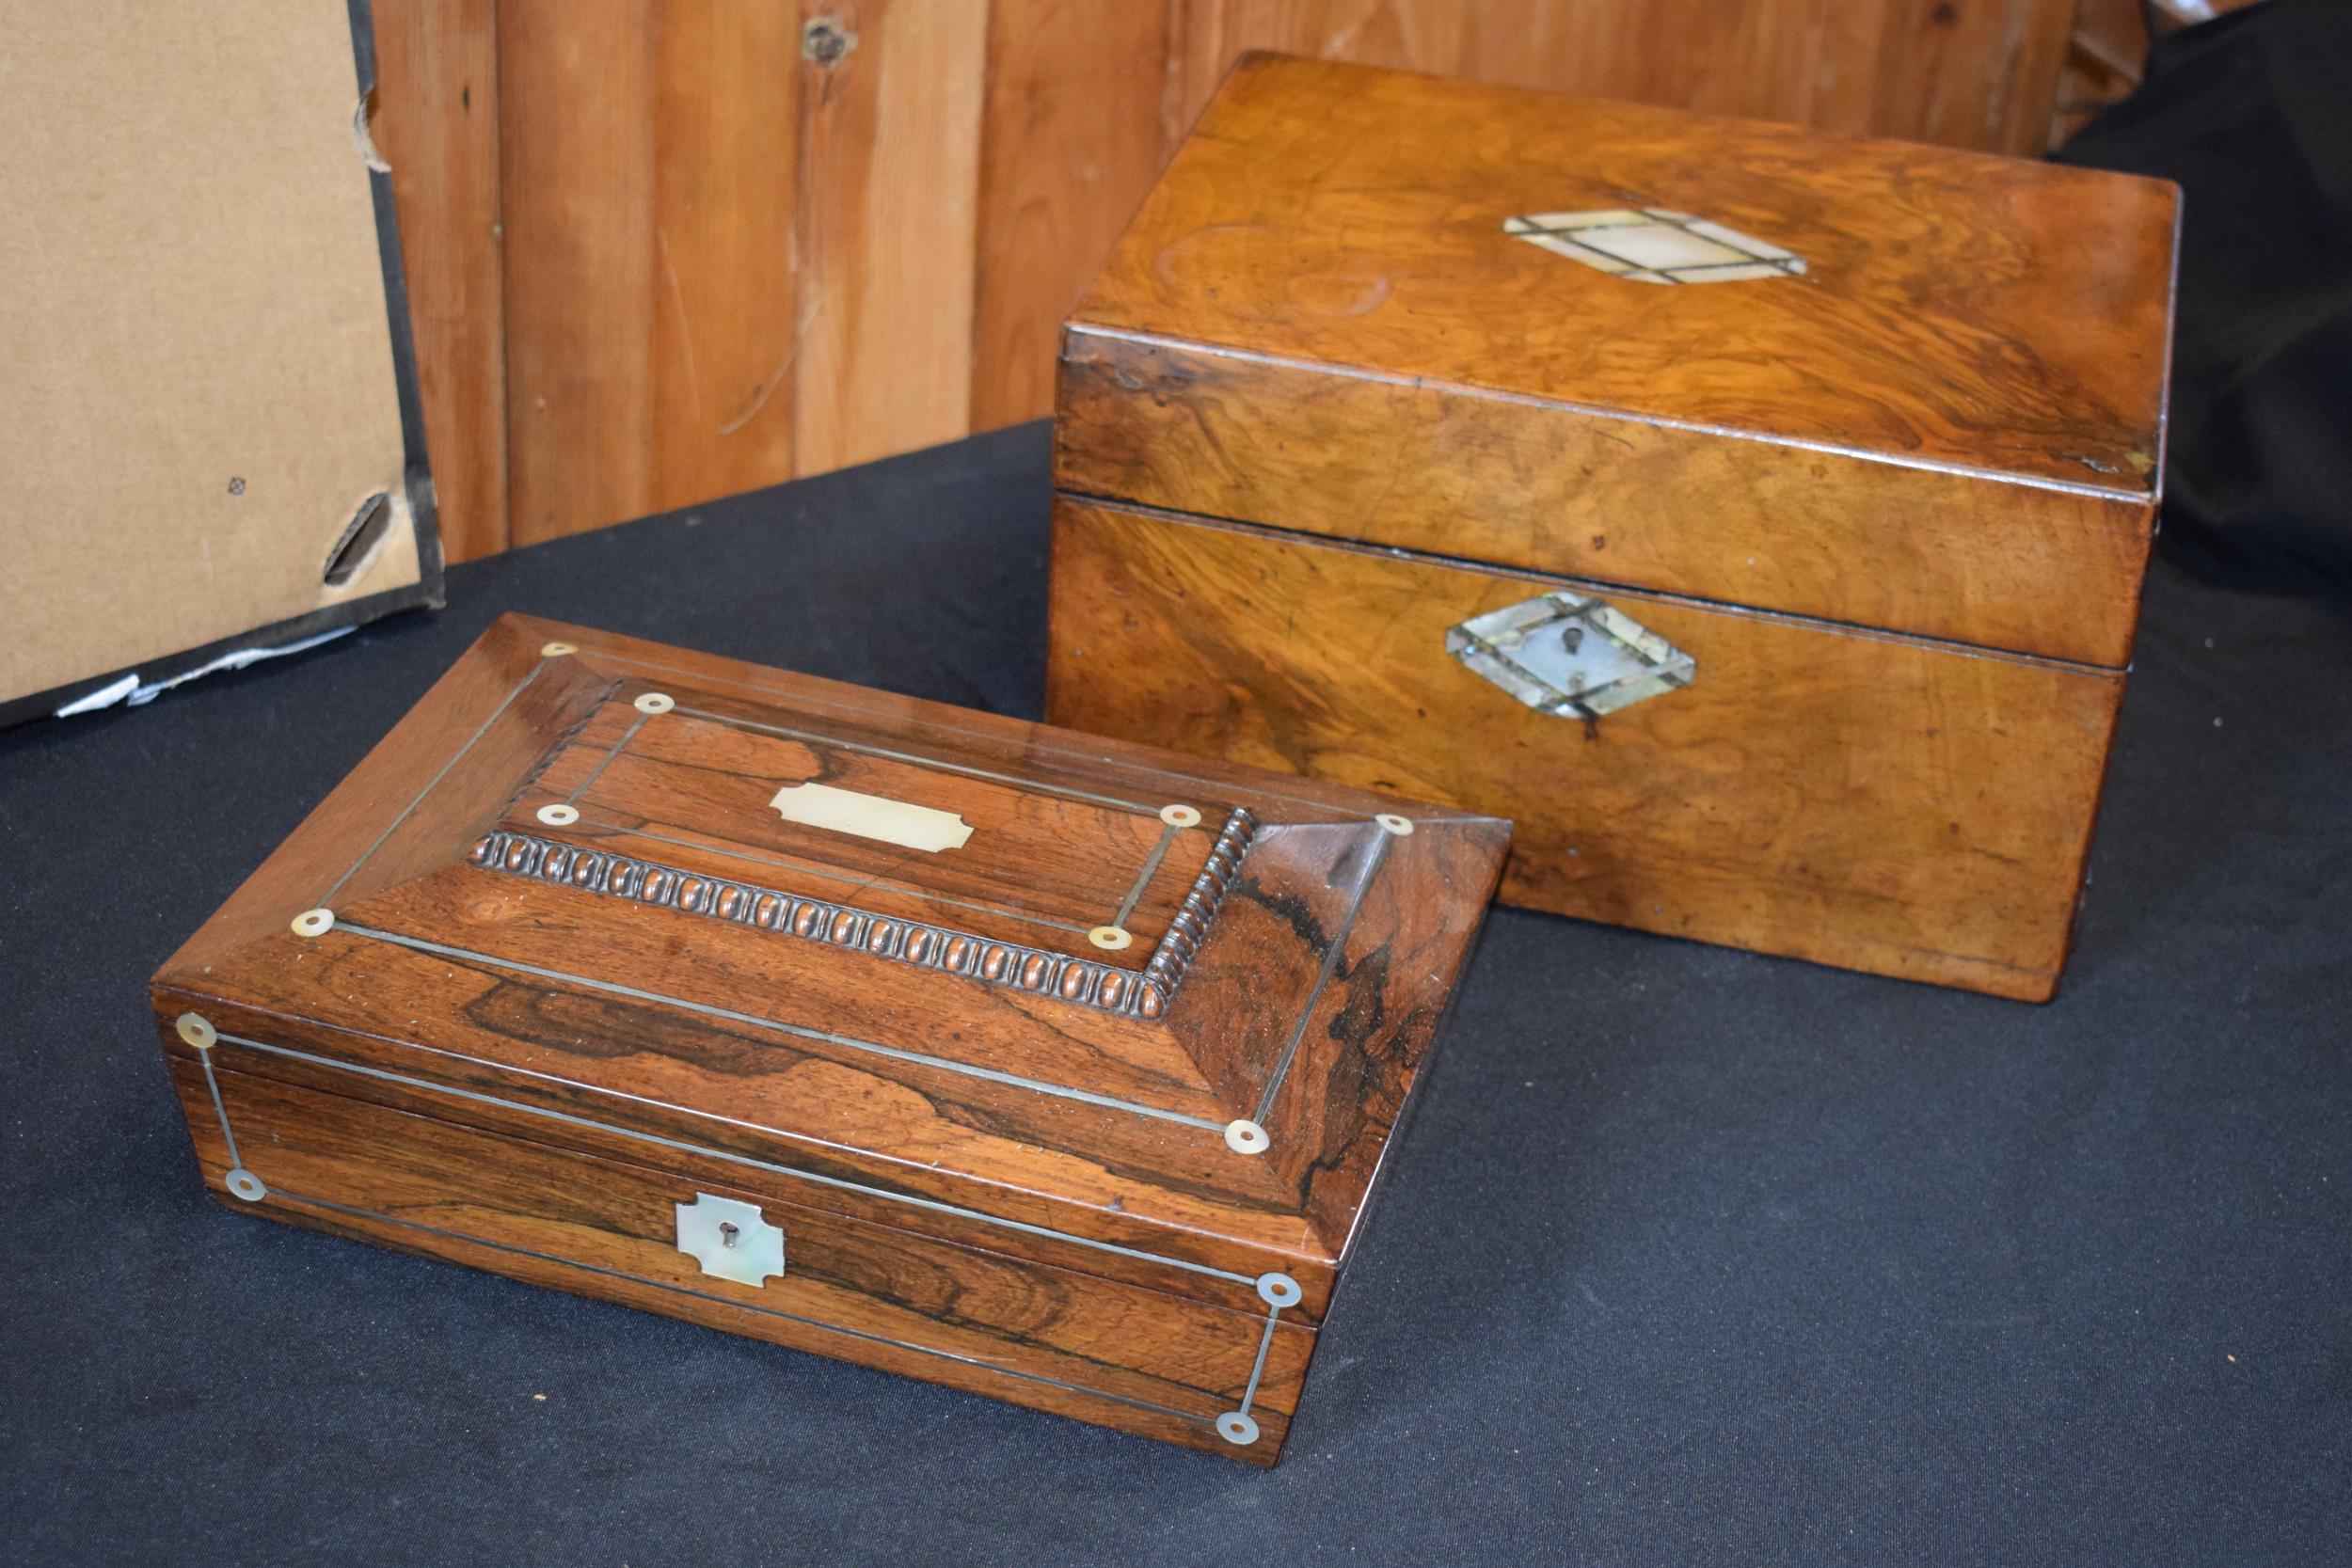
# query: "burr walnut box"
{"type": "Point", "coordinates": [1756, 516]}
{"type": "Point", "coordinates": [1047, 1067]}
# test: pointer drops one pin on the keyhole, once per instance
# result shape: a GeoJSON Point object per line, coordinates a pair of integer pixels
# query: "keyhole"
{"type": "Point", "coordinates": [727, 1232]}
{"type": "Point", "coordinates": [1571, 637]}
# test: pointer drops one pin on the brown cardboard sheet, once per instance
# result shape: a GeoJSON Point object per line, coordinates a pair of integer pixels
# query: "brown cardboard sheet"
{"type": "Point", "coordinates": [197, 382]}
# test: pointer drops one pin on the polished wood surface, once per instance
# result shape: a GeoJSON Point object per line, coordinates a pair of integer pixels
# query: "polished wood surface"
{"type": "Point", "coordinates": [1321, 407]}
{"type": "Point", "coordinates": [565, 912]}
{"type": "Point", "coordinates": [1964, 393]}
{"type": "Point", "coordinates": [1613, 497]}
{"type": "Point", "coordinates": [1053, 1337]}
{"type": "Point", "coordinates": [729, 250]}
{"type": "Point", "coordinates": [697, 790]}
{"type": "Point", "coordinates": [1974, 73]}
{"type": "Point", "coordinates": [1880, 803]}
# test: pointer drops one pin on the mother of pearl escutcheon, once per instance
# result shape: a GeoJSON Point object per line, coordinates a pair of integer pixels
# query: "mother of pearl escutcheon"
{"type": "Point", "coordinates": [1564, 654]}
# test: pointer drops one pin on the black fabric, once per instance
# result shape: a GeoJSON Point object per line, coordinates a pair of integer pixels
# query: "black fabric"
{"type": "Point", "coordinates": [2252, 116]}
{"type": "Point", "coordinates": [1689, 1257]}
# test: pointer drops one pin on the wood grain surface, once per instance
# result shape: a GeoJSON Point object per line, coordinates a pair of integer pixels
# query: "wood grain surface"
{"type": "Point", "coordinates": [1458, 471]}
{"type": "Point", "coordinates": [891, 149]}
{"type": "Point", "coordinates": [1041, 868]}
{"type": "Point", "coordinates": [1052, 1338]}
{"type": "Point", "coordinates": [649, 157]}
{"type": "Point", "coordinates": [491, 969]}
{"type": "Point", "coordinates": [436, 124]}
{"type": "Point", "coordinates": [1081, 112]}
{"type": "Point", "coordinates": [1880, 803]}
{"type": "Point", "coordinates": [1321, 407]}
{"type": "Point", "coordinates": [2006, 319]}
{"type": "Point", "coordinates": [721, 261]}
{"type": "Point", "coordinates": [1077, 122]}
{"type": "Point", "coordinates": [1975, 73]}
{"type": "Point", "coordinates": [698, 767]}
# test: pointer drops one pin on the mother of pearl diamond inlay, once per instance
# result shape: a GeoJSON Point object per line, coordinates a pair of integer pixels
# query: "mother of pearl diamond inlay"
{"type": "Point", "coordinates": [1650, 244]}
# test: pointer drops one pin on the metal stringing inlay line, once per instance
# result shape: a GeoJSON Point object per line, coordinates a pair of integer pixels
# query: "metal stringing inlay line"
{"type": "Point", "coordinates": [1265, 1344]}
{"type": "Point", "coordinates": [1012, 1080]}
{"type": "Point", "coordinates": [328, 898]}
{"type": "Point", "coordinates": [220, 1109]}
{"type": "Point", "coordinates": [259, 1191]}
{"type": "Point", "coordinates": [618, 747]}
{"type": "Point", "coordinates": [1143, 878]}
{"type": "Point", "coordinates": [1070, 978]}
{"type": "Point", "coordinates": [911, 757]}
{"type": "Point", "coordinates": [749, 1162]}
{"type": "Point", "coordinates": [794, 915]}
{"type": "Point", "coordinates": [1034, 747]}
{"type": "Point", "coordinates": [1373, 861]}
{"type": "Point", "coordinates": [730, 1301]}
{"type": "Point", "coordinates": [1188, 927]}
{"type": "Point", "coordinates": [237, 1168]}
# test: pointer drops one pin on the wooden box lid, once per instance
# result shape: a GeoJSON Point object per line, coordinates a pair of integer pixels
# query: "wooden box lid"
{"type": "Point", "coordinates": [1078, 1000]}
{"type": "Point", "coordinates": [1914, 390]}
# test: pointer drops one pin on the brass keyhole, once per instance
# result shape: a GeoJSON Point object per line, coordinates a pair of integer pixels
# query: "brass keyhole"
{"type": "Point", "coordinates": [727, 1232]}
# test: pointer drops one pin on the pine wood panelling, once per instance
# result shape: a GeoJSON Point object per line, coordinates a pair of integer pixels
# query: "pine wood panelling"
{"type": "Point", "coordinates": [1076, 125]}
{"type": "Point", "coordinates": [650, 153]}
{"type": "Point", "coordinates": [727, 261]}
{"type": "Point", "coordinates": [437, 124]}
{"type": "Point", "coordinates": [576, 156]}
{"type": "Point", "coordinates": [888, 214]}
{"type": "Point", "coordinates": [726, 163]}
{"type": "Point", "coordinates": [1967, 73]}
{"type": "Point", "coordinates": [1980, 73]}
{"type": "Point", "coordinates": [2103, 59]}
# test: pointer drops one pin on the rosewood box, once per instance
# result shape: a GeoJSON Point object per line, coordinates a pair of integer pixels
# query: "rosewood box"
{"type": "Point", "coordinates": [1047, 1067]}
{"type": "Point", "coordinates": [1756, 516]}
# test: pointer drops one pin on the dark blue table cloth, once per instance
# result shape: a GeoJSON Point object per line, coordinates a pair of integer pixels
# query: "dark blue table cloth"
{"type": "Point", "coordinates": [1689, 1257]}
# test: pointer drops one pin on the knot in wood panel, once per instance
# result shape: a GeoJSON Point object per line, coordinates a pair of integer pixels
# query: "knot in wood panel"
{"type": "Point", "coordinates": [824, 40]}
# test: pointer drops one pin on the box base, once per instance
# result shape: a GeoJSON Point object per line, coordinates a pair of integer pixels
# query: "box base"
{"type": "Point", "coordinates": [1878, 802]}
